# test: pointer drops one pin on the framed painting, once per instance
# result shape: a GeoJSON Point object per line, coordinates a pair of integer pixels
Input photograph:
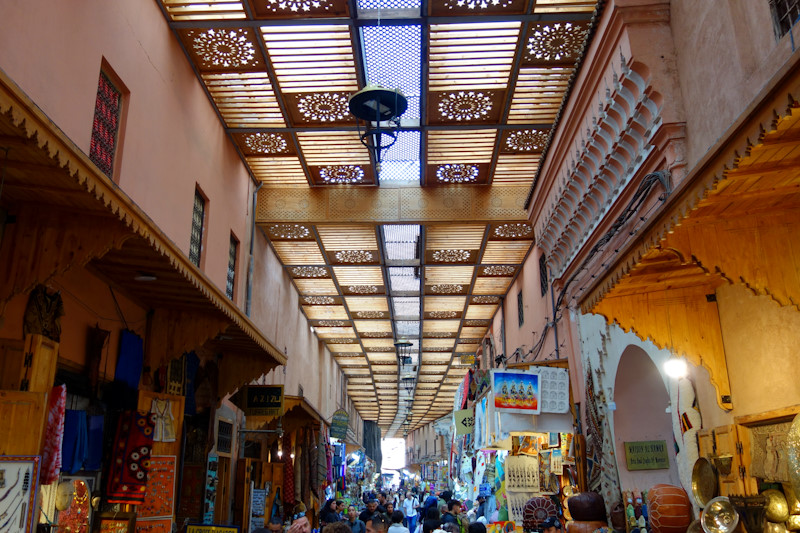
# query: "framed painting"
{"type": "Point", "coordinates": [19, 485]}
{"type": "Point", "coordinates": [108, 522]}
{"type": "Point", "coordinates": [516, 391]}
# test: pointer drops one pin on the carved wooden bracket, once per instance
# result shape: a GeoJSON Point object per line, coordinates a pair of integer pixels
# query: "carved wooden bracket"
{"type": "Point", "coordinates": [173, 332]}
{"type": "Point", "coordinates": [47, 243]}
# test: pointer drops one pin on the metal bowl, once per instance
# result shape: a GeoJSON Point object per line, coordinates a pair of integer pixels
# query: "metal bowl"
{"type": "Point", "coordinates": [704, 482]}
{"type": "Point", "coordinates": [719, 516]}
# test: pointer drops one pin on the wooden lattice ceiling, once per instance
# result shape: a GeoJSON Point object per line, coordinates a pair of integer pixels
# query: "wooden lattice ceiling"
{"type": "Point", "coordinates": [485, 80]}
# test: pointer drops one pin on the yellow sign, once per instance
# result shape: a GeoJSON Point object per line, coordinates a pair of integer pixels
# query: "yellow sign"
{"type": "Point", "coordinates": [647, 455]}
{"type": "Point", "coordinates": [211, 528]}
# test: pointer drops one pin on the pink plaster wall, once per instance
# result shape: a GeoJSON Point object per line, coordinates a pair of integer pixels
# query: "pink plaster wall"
{"type": "Point", "coordinates": [726, 52]}
{"type": "Point", "coordinates": [641, 399]}
{"type": "Point", "coordinates": [276, 310]}
{"type": "Point", "coordinates": [173, 139]}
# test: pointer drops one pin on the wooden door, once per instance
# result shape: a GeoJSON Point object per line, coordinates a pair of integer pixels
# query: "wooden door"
{"type": "Point", "coordinates": [23, 414]}
{"type": "Point", "coordinates": [38, 372]}
{"type": "Point", "coordinates": [11, 359]}
{"type": "Point", "coordinates": [749, 483]}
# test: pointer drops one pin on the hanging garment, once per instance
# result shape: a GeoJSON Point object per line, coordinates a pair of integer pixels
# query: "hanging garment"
{"type": "Point", "coordinates": [53, 435]}
{"type": "Point", "coordinates": [192, 366]}
{"type": "Point", "coordinates": [94, 458]}
{"type": "Point", "coordinates": [164, 430]}
{"type": "Point", "coordinates": [130, 458]}
{"type": "Point", "coordinates": [288, 473]}
{"type": "Point", "coordinates": [43, 314]}
{"type": "Point", "coordinates": [130, 360]}
{"type": "Point", "coordinates": [76, 441]}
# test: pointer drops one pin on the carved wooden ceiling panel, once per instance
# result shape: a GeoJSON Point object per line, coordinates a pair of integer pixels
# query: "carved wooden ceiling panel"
{"type": "Point", "coordinates": [485, 80]}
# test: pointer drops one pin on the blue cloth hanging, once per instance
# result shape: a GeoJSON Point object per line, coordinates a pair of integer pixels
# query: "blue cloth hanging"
{"type": "Point", "coordinates": [94, 459]}
{"type": "Point", "coordinates": [76, 441]}
{"type": "Point", "coordinates": [131, 359]}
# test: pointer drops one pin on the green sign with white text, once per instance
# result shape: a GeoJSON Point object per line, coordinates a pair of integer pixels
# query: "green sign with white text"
{"type": "Point", "coordinates": [647, 455]}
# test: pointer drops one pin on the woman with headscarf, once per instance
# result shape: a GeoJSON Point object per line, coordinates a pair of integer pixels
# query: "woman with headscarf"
{"type": "Point", "coordinates": [329, 513]}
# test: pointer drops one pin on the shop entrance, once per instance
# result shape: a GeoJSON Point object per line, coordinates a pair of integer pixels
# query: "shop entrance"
{"type": "Point", "coordinates": [642, 398]}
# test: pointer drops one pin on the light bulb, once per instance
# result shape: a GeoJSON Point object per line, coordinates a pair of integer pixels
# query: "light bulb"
{"type": "Point", "coordinates": [676, 367]}
{"type": "Point", "coordinates": [292, 456]}
{"type": "Point", "coordinates": [280, 454]}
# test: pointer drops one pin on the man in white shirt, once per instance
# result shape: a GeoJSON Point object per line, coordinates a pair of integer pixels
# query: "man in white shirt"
{"type": "Point", "coordinates": [410, 505]}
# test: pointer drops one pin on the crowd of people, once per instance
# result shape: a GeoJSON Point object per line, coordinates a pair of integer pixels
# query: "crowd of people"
{"type": "Point", "coordinates": [393, 512]}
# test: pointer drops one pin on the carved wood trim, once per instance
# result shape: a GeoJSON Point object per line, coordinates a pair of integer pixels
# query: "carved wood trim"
{"type": "Point", "coordinates": [173, 332]}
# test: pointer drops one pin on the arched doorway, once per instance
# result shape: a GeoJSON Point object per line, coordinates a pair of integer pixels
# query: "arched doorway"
{"type": "Point", "coordinates": [642, 398]}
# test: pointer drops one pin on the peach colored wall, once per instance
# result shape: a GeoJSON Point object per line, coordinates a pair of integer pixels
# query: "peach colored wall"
{"type": "Point", "coordinates": [726, 53]}
{"type": "Point", "coordinates": [87, 303]}
{"type": "Point", "coordinates": [172, 139]}
{"type": "Point", "coordinates": [641, 400]}
{"type": "Point", "coordinates": [276, 310]}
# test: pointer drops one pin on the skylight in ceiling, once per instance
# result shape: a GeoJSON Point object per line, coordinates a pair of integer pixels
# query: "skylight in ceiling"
{"type": "Point", "coordinates": [407, 328]}
{"type": "Point", "coordinates": [404, 279]}
{"type": "Point", "coordinates": [406, 307]}
{"type": "Point", "coordinates": [400, 171]}
{"type": "Point", "coordinates": [401, 242]}
{"type": "Point", "coordinates": [389, 4]}
{"type": "Point", "coordinates": [393, 57]}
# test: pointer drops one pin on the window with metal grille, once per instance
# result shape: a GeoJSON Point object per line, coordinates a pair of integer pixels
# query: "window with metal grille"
{"type": "Point", "coordinates": [224, 436]}
{"type": "Point", "coordinates": [543, 273]}
{"type": "Point", "coordinates": [231, 267]}
{"type": "Point", "coordinates": [520, 314]}
{"type": "Point", "coordinates": [198, 219]}
{"type": "Point", "coordinates": [785, 14]}
{"type": "Point", "coordinates": [105, 125]}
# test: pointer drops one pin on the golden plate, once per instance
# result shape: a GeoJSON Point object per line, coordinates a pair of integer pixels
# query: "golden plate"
{"type": "Point", "coordinates": [793, 524]}
{"type": "Point", "coordinates": [704, 482]}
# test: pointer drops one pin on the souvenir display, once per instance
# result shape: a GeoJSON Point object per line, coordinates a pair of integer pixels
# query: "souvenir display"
{"type": "Point", "coordinates": [73, 501]}
{"type": "Point", "coordinates": [777, 507]}
{"type": "Point", "coordinates": [160, 493]}
{"type": "Point", "coordinates": [522, 474]}
{"type": "Point", "coordinates": [555, 390]}
{"type": "Point", "coordinates": [537, 510]}
{"type": "Point", "coordinates": [719, 516]}
{"type": "Point", "coordinates": [19, 485]}
{"type": "Point", "coordinates": [210, 495]}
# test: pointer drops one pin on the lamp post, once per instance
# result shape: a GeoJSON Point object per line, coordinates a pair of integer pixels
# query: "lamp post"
{"type": "Point", "coordinates": [380, 110]}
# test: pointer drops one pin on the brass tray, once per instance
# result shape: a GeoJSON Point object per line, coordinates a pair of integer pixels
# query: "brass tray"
{"type": "Point", "coordinates": [704, 482]}
{"type": "Point", "coordinates": [793, 442]}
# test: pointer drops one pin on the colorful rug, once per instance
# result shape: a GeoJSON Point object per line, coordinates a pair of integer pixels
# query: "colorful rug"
{"type": "Point", "coordinates": [130, 459]}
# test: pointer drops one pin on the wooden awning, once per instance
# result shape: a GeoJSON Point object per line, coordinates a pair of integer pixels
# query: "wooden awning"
{"type": "Point", "coordinates": [64, 204]}
{"type": "Point", "coordinates": [733, 221]}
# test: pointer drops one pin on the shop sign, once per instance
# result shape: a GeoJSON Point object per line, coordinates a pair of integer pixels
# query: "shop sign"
{"type": "Point", "coordinates": [465, 421]}
{"type": "Point", "coordinates": [468, 359]}
{"type": "Point", "coordinates": [339, 424]}
{"type": "Point", "coordinates": [263, 400]}
{"type": "Point", "coordinates": [211, 528]}
{"type": "Point", "coordinates": [647, 455]}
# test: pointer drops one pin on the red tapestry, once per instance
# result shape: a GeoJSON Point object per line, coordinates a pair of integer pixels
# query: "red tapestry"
{"type": "Point", "coordinates": [160, 493]}
{"type": "Point", "coordinates": [130, 460]}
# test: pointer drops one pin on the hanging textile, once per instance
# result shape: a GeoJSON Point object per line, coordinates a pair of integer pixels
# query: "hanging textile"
{"type": "Point", "coordinates": [130, 458]}
{"type": "Point", "coordinates": [53, 435]}
{"type": "Point", "coordinates": [594, 436]}
{"type": "Point", "coordinates": [43, 314]}
{"type": "Point", "coordinates": [322, 461]}
{"type": "Point", "coordinates": [94, 458]}
{"type": "Point", "coordinates": [164, 430]}
{"type": "Point", "coordinates": [307, 458]}
{"type": "Point", "coordinates": [313, 458]}
{"type": "Point", "coordinates": [130, 360]}
{"type": "Point", "coordinates": [192, 366]}
{"type": "Point", "coordinates": [76, 441]}
{"type": "Point", "coordinates": [288, 473]}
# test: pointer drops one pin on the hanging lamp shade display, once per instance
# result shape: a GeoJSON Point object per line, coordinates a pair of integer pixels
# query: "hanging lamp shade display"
{"type": "Point", "coordinates": [376, 104]}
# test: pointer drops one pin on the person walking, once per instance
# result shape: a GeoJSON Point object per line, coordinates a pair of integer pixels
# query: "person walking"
{"type": "Point", "coordinates": [356, 525]}
{"type": "Point", "coordinates": [397, 523]}
{"type": "Point", "coordinates": [410, 504]}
